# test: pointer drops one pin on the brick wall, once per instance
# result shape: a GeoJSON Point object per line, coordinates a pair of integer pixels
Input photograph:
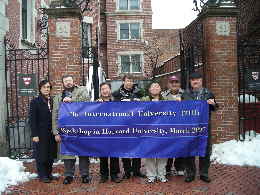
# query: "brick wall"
{"type": "Point", "coordinates": [168, 41]}
{"type": "Point", "coordinates": [222, 76]}
{"type": "Point", "coordinates": [114, 46]}
{"type": "Point", "coordinates": [14, 16]}
{"type": "Point", "coordinates": [64, 52]}
{"type": "Point", "coordinates": [168, 68]}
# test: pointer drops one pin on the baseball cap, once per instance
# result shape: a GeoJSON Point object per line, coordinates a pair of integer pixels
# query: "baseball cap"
{"type": "Point", "coordinates": [195, 75]}
{"type": "Point", "coordinates": [173, 78]}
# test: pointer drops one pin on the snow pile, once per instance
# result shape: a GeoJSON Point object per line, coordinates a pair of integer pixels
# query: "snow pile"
{"type": "Point", "coordinates": [247, 98]}
{"type": "Point", "coordinates": [242, 153]}
{"type": "Point", "coordinates": [12, 173]}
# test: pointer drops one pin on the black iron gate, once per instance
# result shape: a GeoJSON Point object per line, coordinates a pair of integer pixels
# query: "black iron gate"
{"type": "Point", "coordinates": [21, 61]}
{"type": "Point", "coordinates": [191, 52]}
{"type": "Point", "coordinates": [249, 86]}
{"type": "Point", "coordinates": [248, 25]}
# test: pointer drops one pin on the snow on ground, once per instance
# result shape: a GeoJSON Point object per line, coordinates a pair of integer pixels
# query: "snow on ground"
{"type": "Point", "coordinates": [247, 98]}
{"type": "Point", "coordinates": [242, 153]}
{"type": "Point", "coordinates": [12, 172]}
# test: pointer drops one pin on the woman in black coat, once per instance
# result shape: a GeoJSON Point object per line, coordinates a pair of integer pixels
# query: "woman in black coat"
{"type": "Point", "coordinates": [45, 148]}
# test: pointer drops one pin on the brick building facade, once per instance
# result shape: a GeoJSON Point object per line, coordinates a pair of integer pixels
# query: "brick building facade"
{"type": "Point", "coordinates": [216, 52]}
{"type": "Point", "coordinates": [124, 27]}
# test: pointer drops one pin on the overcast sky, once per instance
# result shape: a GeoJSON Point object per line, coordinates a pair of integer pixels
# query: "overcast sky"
{"type": "Point", "coordinates": [172, 14]}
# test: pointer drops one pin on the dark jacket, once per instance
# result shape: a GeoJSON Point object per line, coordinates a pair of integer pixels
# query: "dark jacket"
{"type": "Point", "coordinates": [123, 94]}
{"type": "Point", "coordinates": [203, 94]}
{"type": "Point", "coordinates": [41, 126]}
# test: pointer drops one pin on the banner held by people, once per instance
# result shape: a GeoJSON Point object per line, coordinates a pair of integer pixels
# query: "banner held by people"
{"type": "Point", "coordinates": [134, 129]}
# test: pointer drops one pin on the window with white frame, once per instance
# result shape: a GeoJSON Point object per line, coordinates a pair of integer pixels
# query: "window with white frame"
{"type": "Point", "coordinates": [24, 19]}
{"type": "Point", "coordinates": [129, 31]}
{"type": "Point", "coordinates": [28, 17]}
{"type": "Point", "coordinates": [128, 4]}
{"type": "Point", "coordinates": [131, 63]}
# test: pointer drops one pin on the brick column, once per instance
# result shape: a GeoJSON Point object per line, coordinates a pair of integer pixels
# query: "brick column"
{"type": "Point", "coordinates": [64, 45]}
{"type": "Point", "coordinates": [220, 47]}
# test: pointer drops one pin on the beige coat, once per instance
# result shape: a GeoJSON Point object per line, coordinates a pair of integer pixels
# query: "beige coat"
{"type": "Point", "coordinates": [79, 94]}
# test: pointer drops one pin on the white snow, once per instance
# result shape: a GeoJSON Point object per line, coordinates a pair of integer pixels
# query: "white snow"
{"type": "Point", "coordinates": [241, 153]}
{"type": "Point", "coordinates": [12, 173]}
{"type": "Point", "coordinates": [247, 98]}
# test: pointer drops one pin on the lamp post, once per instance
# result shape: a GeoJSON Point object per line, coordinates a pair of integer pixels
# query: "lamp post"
{"type": "Point", "coordinates": [95, 76]}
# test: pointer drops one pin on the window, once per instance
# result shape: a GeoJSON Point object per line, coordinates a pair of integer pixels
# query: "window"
{"type": "Point", "coordinates": [129, 5]}
{"type": "Point", "coordinates": [131, 63]}
{"type": "Point", "coordinates": [28, 21]}
{"type": "Point", "coordinates": [129, 31]}
{"type": "Point", "coordinates": [24, 19]}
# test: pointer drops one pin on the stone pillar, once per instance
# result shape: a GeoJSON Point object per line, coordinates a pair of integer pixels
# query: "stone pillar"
{"type": "Point", "coordinates": [64, 45]}
{"type": "Point", "coordinates": [3, 104]}
{"type": "Point", "coordinates": [220, 48]}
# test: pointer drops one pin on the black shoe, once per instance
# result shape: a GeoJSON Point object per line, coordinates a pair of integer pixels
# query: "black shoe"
{"type": "Point", "coordinates": [205, 179]}
{"type": "Point", "coordinates": [115, 179]}
{"type": "Point", "coordinates": [139, 174]}
{"type": "Point", "coordinates": [103, 179]}
{"type": "Point", "coordinates": [127, 176]}
{"type": "Point", "coordinates": [189, 179]}
{"type": "Point", "coordinates": [51, 177]}
{"type": "Point", "coordinates": [85, 179]}
{"type": "Point", "coordinates": [169, 174]}
{"type": "Point", "coordinates": [45, 180]}
{"type": "Point", "coordinates": [68, 180]}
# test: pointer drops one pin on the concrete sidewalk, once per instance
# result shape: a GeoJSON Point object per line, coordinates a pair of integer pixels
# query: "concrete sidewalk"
{"type": "Point", "coordinates": [226, 180]}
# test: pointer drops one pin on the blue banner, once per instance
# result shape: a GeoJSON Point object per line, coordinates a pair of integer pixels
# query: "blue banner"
{"type": "Point", "coordinates": [134, 129]}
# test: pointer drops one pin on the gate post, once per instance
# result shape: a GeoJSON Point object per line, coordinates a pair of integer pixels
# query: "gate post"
{"type": "Point", "coordinates": [64, 39]}
{"type": "Point", "coordinates": [3, 103]}
{"type": "Point", "coordinates": [220, 49]}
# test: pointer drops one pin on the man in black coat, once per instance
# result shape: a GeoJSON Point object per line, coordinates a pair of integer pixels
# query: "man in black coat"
{"type": "Point", "coordinates": [129, 92]}
{"type": "Point", "coordinates": [113, 169]}
{"type": "Point", "coordinates": [198, 92]}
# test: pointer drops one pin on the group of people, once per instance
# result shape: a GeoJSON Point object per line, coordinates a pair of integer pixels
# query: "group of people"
{"type": "Point", "coordinates": [43, 119]}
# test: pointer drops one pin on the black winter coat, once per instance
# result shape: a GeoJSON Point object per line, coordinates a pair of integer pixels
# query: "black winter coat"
{"type": "Point", "coordinates": [40, 123]}
{"type": "Point", "coordinates": [203, 94]}
{"type": "Point", "coordinates": [122, 94]}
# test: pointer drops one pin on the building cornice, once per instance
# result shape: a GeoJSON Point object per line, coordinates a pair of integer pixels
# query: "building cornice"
{"type": "Point", "coordinates": [63, 12]}
{"type": "Point", "coordinates": [127, 13]}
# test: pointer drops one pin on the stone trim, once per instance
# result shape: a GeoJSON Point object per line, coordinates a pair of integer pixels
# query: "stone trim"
{"type": "Point", "coordinates": [64, 12]}
{"type": "Point", "coordinates": [219, 11]}
{"type": "Point", "coordinates": [121, 13]}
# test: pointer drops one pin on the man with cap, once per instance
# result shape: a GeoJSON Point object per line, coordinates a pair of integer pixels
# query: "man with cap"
{"type": "Point", "coordinates": [174, 92]}
{"type": "Point", "coordinates": [197, 92]}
